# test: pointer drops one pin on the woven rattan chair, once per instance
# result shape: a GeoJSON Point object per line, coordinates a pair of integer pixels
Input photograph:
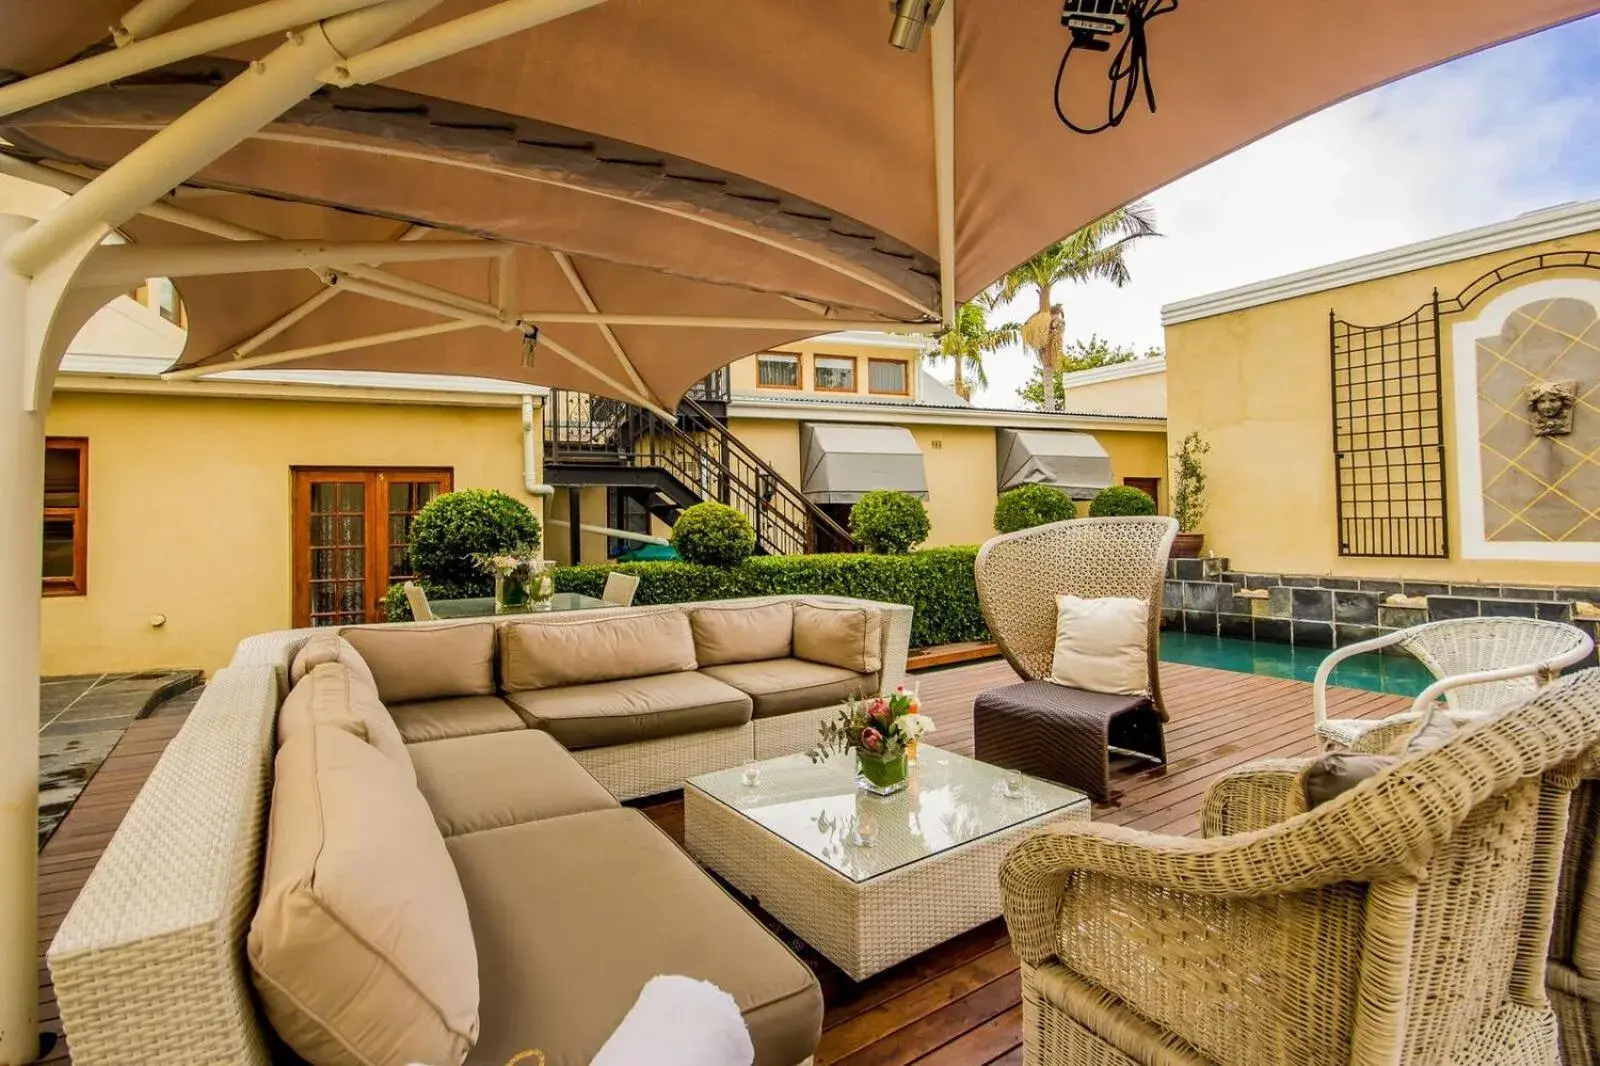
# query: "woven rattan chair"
{"type": "Point", "coordinates": [1406, 921]}
{"type": "Point", "coordinates": [1480, 664]}
{"type": "Point", "coordinates": [417, 599]}
{"type": "Point", "coordinates": [620, 589]}
{"type": "Point", "coordinates": [1046, 729]}
{"type": "Point", "coordinates": [1574, 971]}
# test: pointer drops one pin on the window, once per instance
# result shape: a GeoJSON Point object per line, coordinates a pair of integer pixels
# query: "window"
{"type": "Point", "coordinates": [352, 529]}
{"type": "Point", "coordinates": [774, 370]}
{"type": "Point", "coordinates": [164, 298]}
{"type": "Point", "coordinates": [889, 376]}
{"type": "Point", "coordinates": [836, 373]}
{"type": "Point", "coordinates": [66, 517]}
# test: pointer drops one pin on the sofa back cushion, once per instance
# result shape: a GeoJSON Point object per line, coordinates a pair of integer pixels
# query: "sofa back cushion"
{"type": "Point", "coordinates": [724, 635]}
{"type": "Point", "coordinates": [613, 647]}
{"type": "Point", "coordinates": [334, 695]}
{"type": "Point", "coordinates": [329, 647]}
{"type": "Point", "coordinates": [360, 946]}
{"type": "Point", "coordinates": [428, 663]}
{"type": "Point", "coordinates": [847, 637]}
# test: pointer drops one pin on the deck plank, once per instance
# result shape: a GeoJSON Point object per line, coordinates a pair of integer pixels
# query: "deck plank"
{"type": "Point", "coordinates": [957, 1003]}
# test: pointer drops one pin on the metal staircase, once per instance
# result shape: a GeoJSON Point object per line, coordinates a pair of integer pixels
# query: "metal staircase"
{"type": "Point", "coordinates": [670, 465]}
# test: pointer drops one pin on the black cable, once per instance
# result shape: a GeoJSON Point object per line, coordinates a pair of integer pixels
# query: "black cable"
{"type": "Point", "coordinates": [1129, 69]}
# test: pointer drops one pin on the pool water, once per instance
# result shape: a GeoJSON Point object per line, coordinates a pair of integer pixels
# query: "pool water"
{"type": "Point", "coordinates": [1398, 674]}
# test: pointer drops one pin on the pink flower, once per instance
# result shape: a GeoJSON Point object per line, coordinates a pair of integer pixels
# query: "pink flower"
{"type": "Point", "coordinates": [879, 712]}
{"type": "Point", "coordinates": [872, 740]}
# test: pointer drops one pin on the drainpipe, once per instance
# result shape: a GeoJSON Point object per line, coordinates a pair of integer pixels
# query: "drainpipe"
{"type": "Point", "coordinates": [530, 464]}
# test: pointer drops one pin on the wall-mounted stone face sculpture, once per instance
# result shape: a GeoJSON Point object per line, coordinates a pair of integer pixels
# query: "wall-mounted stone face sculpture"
{"type": "Point", "coordinates": [1552, 404]}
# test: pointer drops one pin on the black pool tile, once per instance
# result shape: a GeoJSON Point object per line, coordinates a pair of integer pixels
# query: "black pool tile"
{"type": "Point", "coordinates": [1240, 626]}
{"type": "Point", "coordinates": [1354, 634]}
{"type": "Point", "coordinates": [1274, 629]}
{"type": "Point", "coordinates": [1442, 607]}
{"type": "Point", "coordinates": [1313, 605]}
{"type": "Point", "coordinates": [1313, 634]}
{"type": "Point", "coordinates": [1202, 595]}
{"type": "Point", "coordinates": [1510, 609]}
{"type": "Point", "coordinates": [1357, 608]}
{"type": "Point", "coordinates": [1426, 588]}
{"type": "Point", "coordinates": [1201, 622]}
{"type": "Point", "coordinates": [1555, 610]}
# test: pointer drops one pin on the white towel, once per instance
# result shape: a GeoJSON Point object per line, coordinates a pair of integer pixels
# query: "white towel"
{"type": "Point", "coordinates": [679, 1021]}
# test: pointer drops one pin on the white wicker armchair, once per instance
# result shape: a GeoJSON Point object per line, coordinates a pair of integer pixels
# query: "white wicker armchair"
{"type": "Point", "coordinates": [1479, 664]}
{"type": "Point", "coordinates": [1405, 921]}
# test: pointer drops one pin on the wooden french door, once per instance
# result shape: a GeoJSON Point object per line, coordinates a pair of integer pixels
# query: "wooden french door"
{"type": "Point", "coordinates": [352, 528]}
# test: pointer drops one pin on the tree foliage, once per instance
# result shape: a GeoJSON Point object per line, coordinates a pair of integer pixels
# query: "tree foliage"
{"type": "Point", "coordinates": [1120, 501]}
{"type": "Point", "coordinates": [1189, 482]}
{"type": "Point", "coordinates": [455, 526]}
{"type": "Point", "coordinates": [972, 338]}
{"type": "Point", "coordinates": [1027, 506]}
{"type": "Point", "coordinates": [1081, 355]}
{"type": "Point", "coordinates": [889, 522]}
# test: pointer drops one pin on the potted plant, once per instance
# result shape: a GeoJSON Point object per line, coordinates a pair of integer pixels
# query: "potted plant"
{"type": "Point", "coordinates": [1189, 496]}
{"type": "Point", "coordinates": [882, 732]}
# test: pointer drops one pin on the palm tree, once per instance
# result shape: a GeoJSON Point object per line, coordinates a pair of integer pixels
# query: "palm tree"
{"type": "Point", "coordinates": [970, 339]}
{"type": "Point", "coordinates": [1099, 250]}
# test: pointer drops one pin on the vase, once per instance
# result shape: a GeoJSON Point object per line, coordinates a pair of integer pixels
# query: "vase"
{"type": "Point", "coordinates": [911, 752]}
{"type": "Point", "coordinates": [510, 593]}
{"type": "Point", "coordinates": [881, 775]}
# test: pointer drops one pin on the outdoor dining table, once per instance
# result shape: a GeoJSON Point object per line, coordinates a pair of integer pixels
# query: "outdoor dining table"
{"type": "Point", "coordinates": [483, 606]}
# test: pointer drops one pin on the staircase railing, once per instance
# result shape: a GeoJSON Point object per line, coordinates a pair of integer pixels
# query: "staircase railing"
{"type": "Point", "coordinates": [711, 461]}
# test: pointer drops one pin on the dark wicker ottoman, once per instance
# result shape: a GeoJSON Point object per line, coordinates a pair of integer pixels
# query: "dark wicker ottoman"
{"type": "Point", "coordinates": [1064, 734]}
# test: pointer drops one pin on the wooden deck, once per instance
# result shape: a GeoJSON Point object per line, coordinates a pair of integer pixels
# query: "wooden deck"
{"type": "Point", "coordinates": [956, 1004]}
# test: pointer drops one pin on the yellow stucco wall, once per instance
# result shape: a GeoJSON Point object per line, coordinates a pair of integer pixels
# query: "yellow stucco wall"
{"type": "Point", "coordinates": [1145, 394]}
{"type": "Point", "coordinates": [743, 378]}
{"type": "Point", "coordinates": [1256, 383]}
{"type": "Point", "coordinates": [189, 511]}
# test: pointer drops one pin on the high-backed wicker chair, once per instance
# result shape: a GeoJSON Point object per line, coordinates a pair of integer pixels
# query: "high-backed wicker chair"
{"type": "Point", "coordinates": [1574, 971]}
{"type": "Point", "coordinates": [1406, 921]}
{"type": "Point", "coordinates": [417, 600]}
{"type": "Point", "coordinates": [1046, 729]}
{"type": "Point", "coordinates": [620, 589]}
{"type": "Point", "coordinates": [1481, 664]}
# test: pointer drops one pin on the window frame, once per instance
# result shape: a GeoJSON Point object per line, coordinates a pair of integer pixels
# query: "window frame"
{"type": "Point", "coordinates": [799, 370]}
{"type": "Point", "coordinates": [905, 370]}
{"type": "Point", "coordinates": [78, 583]}
{"type": "Point", "coordinates": [855, 373]}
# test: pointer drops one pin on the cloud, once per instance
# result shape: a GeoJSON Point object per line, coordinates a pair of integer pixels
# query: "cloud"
{"type": "Point", "coordinates": [1475, 141]}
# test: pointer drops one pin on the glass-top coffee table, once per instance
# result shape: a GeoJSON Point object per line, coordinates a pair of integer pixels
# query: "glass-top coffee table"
{"type": "Point", "coordinates": [868, 880]}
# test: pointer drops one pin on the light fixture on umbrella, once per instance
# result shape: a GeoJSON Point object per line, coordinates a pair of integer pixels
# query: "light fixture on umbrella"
{"type": "Point", "coordinates": [911, 17]}
{"type": "Point", "coordinates": [530, 344]}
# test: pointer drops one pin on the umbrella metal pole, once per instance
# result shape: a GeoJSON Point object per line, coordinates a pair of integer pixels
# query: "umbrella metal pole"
{"type": "Point", "coordinates": [21, 532]}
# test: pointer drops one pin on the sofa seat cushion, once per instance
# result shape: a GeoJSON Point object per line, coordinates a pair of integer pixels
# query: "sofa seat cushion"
{"type": "Point", "coordinates": [361, 946]}
{"type": "Point", "coordinates": [462, 716]}
{"type": "Point", "coordinates": [575, 914]}
{"type": "Point", "coordinates": [498, 779]}
{"type": "Point", "coordinates": [782, 686]}
{"type": "Point", "coordinates": [640, 708]}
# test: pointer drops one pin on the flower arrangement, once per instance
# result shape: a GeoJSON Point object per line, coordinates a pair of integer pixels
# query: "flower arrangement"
{"type": "Point", "coordinates": [520, 576]}
{"type": "Point", "coordinates": [881, 731]}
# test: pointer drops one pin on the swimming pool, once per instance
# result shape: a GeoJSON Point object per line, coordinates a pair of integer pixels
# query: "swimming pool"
{"type": "Point", "coordinates": [1398, 674]}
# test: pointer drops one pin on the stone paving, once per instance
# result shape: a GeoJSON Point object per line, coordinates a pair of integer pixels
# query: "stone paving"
{"type": "Point", "coordinates": [81, 718]}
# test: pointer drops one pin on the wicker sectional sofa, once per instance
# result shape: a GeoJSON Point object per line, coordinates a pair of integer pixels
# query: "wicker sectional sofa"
{"type": "Point", "coordinates": [514, 739]}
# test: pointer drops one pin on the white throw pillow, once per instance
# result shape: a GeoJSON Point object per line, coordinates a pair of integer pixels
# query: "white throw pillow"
{"type": "Point", "coordinates": [1101, 645]}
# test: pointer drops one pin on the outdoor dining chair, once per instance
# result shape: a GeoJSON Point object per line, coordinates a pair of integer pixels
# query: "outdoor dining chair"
{"type": "Point", "coordinates": [1043, 728]}
{"type": "Point", "coordinates": [620, 589]}
{"type": "Point", "coordinates": [417, 598]}
{"type": "Point", "coordinates": [1407, 920]}
{"type": "Point", "coordinates": [1478, 664]}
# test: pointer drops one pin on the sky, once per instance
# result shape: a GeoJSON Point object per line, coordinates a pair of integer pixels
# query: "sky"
{"type": "Point", "coordinates": [1479, 140]}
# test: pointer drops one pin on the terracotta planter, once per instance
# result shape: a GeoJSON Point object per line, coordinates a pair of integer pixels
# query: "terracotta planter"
{"type": "Point", "coordinates": [1188, 545]}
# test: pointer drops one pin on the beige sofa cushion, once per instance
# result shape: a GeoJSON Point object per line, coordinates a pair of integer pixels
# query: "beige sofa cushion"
{"type": "Point", "coordinates": [742, 634]}
{"type": "Point", "coordinates": [500, 779]}
{"type": "Point", "coordinates": [847, 637]}
{"type": "Point", "coordinates": [329, 647]}
{"type": "Point", "coordinates": [588, 908]}
{"type": "Point", "coordinates": [535, 655]}
{"type": "Point", "coordinates": [782, 686]}
{"type": "Point", "coordinates": [428, 662]}
{"type": "Point", "coordinates": [464, 716]}
{"type": "Point", "coordinates": [640, 708]}
{"type": "Point", "coordinates": [333, 694]}
{"type": "Point", "coordinates": [361, 947]}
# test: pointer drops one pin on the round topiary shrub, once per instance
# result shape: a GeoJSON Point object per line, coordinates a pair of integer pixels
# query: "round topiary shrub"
{"type": "Point", "coordinates": [713, 534]}
{"type": "Point", "coordinates": [889, 523]}
{"type": "Point", "coordinates": [1120, 501]}
{"type": "Point", "coordinates": [1027, 506]}
{"type": "Point", "coordinates": [453, 527]}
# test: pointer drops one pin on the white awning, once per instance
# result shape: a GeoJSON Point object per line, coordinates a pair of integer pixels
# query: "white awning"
{"type": "Point", "coordinates": [840, 463]}
{"type": "Point", "coordinates": [1075, 463]}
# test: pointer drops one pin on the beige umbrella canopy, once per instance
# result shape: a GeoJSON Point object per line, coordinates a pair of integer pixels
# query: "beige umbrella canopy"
{"type": "Point", "coordinates": [725, 175]}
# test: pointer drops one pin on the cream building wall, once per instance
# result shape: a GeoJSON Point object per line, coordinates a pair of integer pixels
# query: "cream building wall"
{"type": "Point", "coordinates": [190, 510]}
{"type": "Point", "coordinates": [1250, 370]}
{"type": "Point", "coordinates": [1136, 390]}
{"type": "Point", "coordinates": [743, 373]}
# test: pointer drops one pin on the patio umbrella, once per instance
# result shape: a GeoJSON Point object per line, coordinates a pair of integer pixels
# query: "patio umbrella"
{"type": "Point", "coordinates": [614, 196]}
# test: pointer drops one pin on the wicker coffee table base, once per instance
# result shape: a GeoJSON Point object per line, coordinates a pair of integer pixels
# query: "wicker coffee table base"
{"type": "Point", "coordinates": [1064, 734]}
{"type": "Point", "coordinates": [863, 928]}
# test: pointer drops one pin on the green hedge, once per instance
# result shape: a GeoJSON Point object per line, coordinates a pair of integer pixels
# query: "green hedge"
{"type": "Point", "coordinates": [936, 582]}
